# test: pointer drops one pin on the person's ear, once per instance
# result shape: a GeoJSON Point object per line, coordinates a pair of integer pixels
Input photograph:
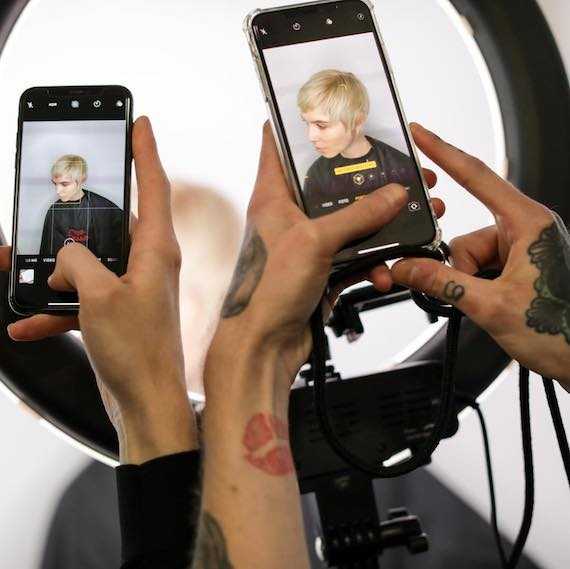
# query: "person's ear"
{"type": "Point", "coordinates": [359, 123]}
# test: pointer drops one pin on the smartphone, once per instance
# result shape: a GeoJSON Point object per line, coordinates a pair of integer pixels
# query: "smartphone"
{"type": "Point", "coordinates": [73, 177]}
{"type": "Point", "coordinates": [338, 120]}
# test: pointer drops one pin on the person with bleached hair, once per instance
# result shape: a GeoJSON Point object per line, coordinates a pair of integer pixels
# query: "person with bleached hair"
{"type": "Point", "coordinates": [335, 106]}
{"type": "Point", "coordinates": [80, 215]}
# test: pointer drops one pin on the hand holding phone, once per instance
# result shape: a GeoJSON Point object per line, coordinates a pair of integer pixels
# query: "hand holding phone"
{"type": "Point", "coordinates": [285, 263]}
{"type": "Point", "coordinates": [73, 165]}
{"type": "Point", "coordinates": [131, 325]}
{"type": "Point", "coordinates": [338, 119]}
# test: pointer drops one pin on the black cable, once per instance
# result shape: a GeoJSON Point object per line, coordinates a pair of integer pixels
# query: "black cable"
{"type": "Point", "coordinates": [528, 469]}
{"type": "Point", "coordinates": [492, 497]}
{"type": "Point", "coordinates": [558, 424]}
{"type": "Point", "coordinates": [447, 408]}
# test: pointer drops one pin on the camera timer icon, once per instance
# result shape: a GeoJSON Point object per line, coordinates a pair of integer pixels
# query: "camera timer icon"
{"type": "Point", "coordinates": [414, 206]}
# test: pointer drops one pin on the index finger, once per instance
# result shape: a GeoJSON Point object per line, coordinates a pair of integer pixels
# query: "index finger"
{"type": "Point", "coordinates": [152, 182]}
{"type": "Point", "coordinates": [478, 179]}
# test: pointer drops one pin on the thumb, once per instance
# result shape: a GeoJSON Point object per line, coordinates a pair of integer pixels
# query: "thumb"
{"type": "Point", "coordinates": [271, 182]}
{"type": "Point", "coordinates": [77, 269]}
{"type": "Point", "coordinates": [362, 218]}
{"type": "Point", "coordinates": [469, 294]}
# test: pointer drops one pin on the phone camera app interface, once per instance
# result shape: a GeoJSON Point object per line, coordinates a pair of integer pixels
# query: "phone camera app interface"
{"type": "Point", "coordinates": [339, 112]}
{"type": "Point", "coordinates": [71, 189]}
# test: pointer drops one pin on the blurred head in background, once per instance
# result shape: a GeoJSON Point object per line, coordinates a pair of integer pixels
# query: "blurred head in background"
{"type": "Point", "coordinates": [209, 232]}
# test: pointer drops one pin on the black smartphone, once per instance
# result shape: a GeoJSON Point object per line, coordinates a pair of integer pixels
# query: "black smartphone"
{"type": "Point", "coordinates": [73, 178]}
{"type": "Point", "coordinates": [338, 119]}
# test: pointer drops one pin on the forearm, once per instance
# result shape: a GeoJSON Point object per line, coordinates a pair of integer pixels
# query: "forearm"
{"type": "Point", "coordinates": [250, 490]}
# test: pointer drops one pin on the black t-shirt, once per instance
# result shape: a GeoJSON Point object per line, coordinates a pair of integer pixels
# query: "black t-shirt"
{"type": "Point", "coordinates": [93, 221]}
{"type": "Point", "coordinates": [332, 183]}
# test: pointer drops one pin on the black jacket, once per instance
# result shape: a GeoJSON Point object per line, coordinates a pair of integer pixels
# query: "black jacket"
{"type": "Point", "coordinates": [93, 221]}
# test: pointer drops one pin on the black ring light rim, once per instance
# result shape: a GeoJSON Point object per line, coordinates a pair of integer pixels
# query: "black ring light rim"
{"type": "Point", "coordinates": [533, 91]}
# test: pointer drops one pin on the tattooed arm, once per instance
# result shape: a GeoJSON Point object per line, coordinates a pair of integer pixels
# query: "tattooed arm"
{"type": "Point", "coordinates": [251, 514]}
{"type": "Point", "coordinates": [250, 493]}
{"type": "Point", "coordinates": [527, 309]}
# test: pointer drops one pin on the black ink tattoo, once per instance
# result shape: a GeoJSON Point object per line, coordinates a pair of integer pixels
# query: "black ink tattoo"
{"type": "Point", "coordinates": [211, 548]}
{"type": "Point", "coordinates": [549, 312]}
{"type": "Point", "coordinates": [247, 274]}
{"type": "Point", "coordinates": [453, 291]}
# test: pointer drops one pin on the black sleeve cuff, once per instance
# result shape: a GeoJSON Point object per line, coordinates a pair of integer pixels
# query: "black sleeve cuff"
{"type": "Point", "coordinates": [158, 505]}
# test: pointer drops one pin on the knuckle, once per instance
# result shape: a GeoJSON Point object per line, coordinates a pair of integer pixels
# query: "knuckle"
{"type": "Point", "coordinates": [497, 308]}
{"type": "Point", "coordinates": [459, 247]}
{"type": "Point", "coordinates": [456, 243]}
{"type": "Point", "coordinates": [172, 255]}
{"type": "Point", "coordinates": [97, 299]}
{"type": "Point", "coordinates": [470, 170]}
{"type": "Point", "coordinates": [546, 215]}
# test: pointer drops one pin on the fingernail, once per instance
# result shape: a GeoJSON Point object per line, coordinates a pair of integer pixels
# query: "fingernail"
{"type": "Point", "coordinates": [9, 330]}
{"type": "Point", "coordinates": [50, 279]}
{"type": "Point", "coordinates": [412, 274]}
{"type": "Point", "coordinates": [421, 128]}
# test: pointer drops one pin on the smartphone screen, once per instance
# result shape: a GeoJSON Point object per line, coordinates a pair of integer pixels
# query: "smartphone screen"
{"type": "Point", "coordinates": [73, 164]}
{"type": "Point", "coordinates": [341, 124]}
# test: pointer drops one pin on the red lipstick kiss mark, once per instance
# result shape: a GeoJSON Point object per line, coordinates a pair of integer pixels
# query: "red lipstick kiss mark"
{"type": "Point", "coordinates": [263, 438]}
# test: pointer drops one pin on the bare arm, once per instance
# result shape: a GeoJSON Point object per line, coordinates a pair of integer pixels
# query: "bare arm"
{"type": "Point", "coordinates": [251, 513]}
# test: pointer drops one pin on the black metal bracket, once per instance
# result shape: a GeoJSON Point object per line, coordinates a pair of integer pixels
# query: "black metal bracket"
{"type": "Point", "coordinates": [352, 534]}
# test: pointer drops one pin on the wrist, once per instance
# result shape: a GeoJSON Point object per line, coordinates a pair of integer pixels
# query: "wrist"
{"type": "Point", "coordinates": [163, 426]}
{"type": "Point", "coordinates": [246, 373]}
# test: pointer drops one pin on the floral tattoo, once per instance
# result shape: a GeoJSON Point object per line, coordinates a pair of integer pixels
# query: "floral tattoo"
{"type": "Point", "coordinates": [549, 312]}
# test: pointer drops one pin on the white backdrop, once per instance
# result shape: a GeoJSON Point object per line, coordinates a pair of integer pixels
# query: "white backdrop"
{"type": "Point", "coordinates": [188, 65]}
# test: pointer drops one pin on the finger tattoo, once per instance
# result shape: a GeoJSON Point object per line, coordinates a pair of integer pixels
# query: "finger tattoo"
{"type": "Point", "coordinates": [247, 274]}
{"type": "Point", "coordinates": [453, 292]}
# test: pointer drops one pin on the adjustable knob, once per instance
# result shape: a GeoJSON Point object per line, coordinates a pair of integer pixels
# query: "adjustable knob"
{"type": "Point", "coordinates": [418, 544]}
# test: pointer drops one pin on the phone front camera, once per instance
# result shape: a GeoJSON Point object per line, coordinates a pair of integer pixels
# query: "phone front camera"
{"type": "Point", "coordinates": [296, 26]}
{"type": "Point", "coordinates": [360, 16]}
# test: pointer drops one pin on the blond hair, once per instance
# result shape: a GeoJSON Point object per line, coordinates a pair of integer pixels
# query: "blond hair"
{"type": "Point", "coordinates": [339, 93]}
{"type": "Point", "coordinates": [72, 165]}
